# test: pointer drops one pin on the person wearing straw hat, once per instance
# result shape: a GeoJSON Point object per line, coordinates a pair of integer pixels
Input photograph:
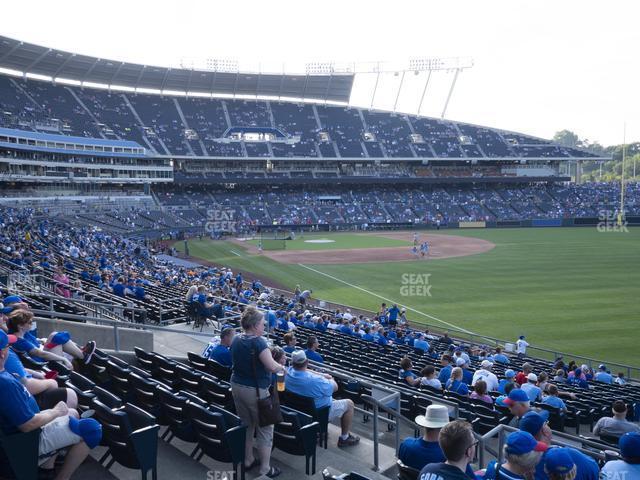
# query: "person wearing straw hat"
{"type": "Point", "coordinates": [418, 452]}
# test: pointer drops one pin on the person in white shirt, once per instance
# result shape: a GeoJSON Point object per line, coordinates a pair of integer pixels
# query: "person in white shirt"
{"type": "Point", "coordinates": [487, 375]}
{"type": "Point", "coordinates": [347, 315]}
{"type": "Point", "coordinates": [429, 378]}
{"type": "Point", "coordinates": [521, 346]}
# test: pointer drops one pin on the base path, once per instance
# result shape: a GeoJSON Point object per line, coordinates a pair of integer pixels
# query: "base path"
{"type": "Point", "coordinates": [440, 246]}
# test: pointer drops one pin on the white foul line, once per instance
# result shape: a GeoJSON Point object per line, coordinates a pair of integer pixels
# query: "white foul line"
{"type": "Point", "coordinates": [235, 253]}
{"type": "Point", "coordinates": [388, 300]}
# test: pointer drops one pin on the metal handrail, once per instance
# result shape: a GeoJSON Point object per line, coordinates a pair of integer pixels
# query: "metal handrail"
{"type": "Point", "coordinates": [501, 432]}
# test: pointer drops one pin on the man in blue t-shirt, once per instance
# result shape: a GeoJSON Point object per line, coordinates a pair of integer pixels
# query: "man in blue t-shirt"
{"type": "Point", "coordinates": [418, 452]}
{"type": "Point", "coordinates": [311, 351]}
{"type": "Point", "coordinates": [20, 413]}
{"type": "Point", "coordinates": [459, 447]}
{"type": "Point", "coordinates": [321, 387]}
{"type": "Point", "coordinates": [392, 315]}
{"type": "Point", "coordinates": [421, 343]}
{"type": "Point", "coordinates": [221, 352]}
{"type": "Point", "coordinates": [603, 376]}
{"type": "Point", "coordinates": [445, 371]}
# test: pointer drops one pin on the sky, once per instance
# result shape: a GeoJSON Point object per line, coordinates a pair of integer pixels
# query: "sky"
{"type": "Point", "coordinates": [538, 66]}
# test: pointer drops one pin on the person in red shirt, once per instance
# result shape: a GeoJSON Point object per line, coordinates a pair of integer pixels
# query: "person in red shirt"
{"type": "Point", "coordinates": [521, 377]}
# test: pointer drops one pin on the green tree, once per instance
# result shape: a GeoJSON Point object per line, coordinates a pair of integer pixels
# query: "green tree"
{"type": "Point", "coordinates": [566, 138]}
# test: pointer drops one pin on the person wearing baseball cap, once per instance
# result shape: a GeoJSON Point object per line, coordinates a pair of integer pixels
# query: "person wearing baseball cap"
{"type": "Point", "coordinates": [535, 423]}
{"type": "Point", "coordinates": [19, 412]}
{"type": "Point", "coordinates": [522, 453]}
{"type": "Point", "coordinates": [321, 387]}
{"type": "Point", "coordinates": [558, 465]}
{"type": "Point", "coordinates": [519, 404]}
{"type": "Point", "coordinates": [533, 391]}
{"type": "Point", "coordinates": [509, 375]}
{"type": "Point", "coordinates": [629, 466]}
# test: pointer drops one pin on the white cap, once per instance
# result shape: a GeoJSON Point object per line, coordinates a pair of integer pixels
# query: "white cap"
{"type": "Point", "coordinates": [436, 416]}
{"type": "Point", "coordinates": [486, 364]}
{"type": "Point", "coordinates": [532, 377]}
{"type": "Point", "coordinates": [460, 362]}
{"type": "Point", "coordinates": [298, 357]}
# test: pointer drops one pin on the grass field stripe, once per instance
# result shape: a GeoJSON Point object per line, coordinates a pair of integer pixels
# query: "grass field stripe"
{"type": "Point", "coordinates": [235, 253]}
{"type": "Point", "coordinates": [388, 300]}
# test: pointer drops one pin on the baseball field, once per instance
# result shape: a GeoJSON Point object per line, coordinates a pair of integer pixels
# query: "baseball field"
{"type": "Point", "coordinates": [571, 289]}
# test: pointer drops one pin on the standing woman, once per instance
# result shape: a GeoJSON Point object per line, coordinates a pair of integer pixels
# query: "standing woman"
{"type": "Point", "coordinates": [244, 349]}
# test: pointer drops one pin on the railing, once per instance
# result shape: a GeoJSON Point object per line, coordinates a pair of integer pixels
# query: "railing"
{"type": "Point", "coordinates": [100, 310]}
{"type": "Point", "coordinates": [116, 324]}
{"type": "Point", "coordinates": [560, 438]}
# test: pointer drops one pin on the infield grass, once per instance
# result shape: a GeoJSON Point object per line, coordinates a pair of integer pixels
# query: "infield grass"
{"type": "Point", "coordinates": [571, 289]}
{"type": "Point", "coordinates": [339, 240]}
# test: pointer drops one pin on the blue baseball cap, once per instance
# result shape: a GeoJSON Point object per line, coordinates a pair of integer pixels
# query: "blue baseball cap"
{"type": "Point", "coordinates": [630, 446]}
{"type": "Point", "coordinates": [532, 422]}
{"type": "Point", "coordinates": [59, 338]}
{"type": "Point", "coordinates": [521, 337]}
{"type": "Point", "coordinates": [12, 299]}
{"type": "Point", "coordinates": [6, 340]}
{"type": "Point", "coordinates": [6, 310]}
{"type": "Point", "coordinates": [509, 373]}
{"type": "Point", "coordinates": [88, 429]}
{"type": "Point", "coordinates": [519, 443]}
{"type": "Point", "coordinates": [578, 372]}
{"type": "Point", "coordinates": [516, 395]}
{"type": "Point", "coordinates": [558, 461]}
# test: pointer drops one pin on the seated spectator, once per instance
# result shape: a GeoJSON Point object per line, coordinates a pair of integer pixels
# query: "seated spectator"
{"type": "Point", "coordinates": [533, 391]}
{"type": "Point", "coordinates": [467, 375]}
{"type": "Point", "coordinates": [45, 390]}
{"type": "Point", "coordinates": [522, 453]}
{"type": "Point", "coordinates": [418, 452]}
{"type": "Point", "coordinates": [553, 400]}
{"type": "Point", "coordinates": [58, 345]}
{"type": "Point", "coordinates": [60, 425]}
{"type": "Point", "coordinates": [603, 376]}
{"type": "Point", "coordinates": [507, 390]}
{"type": "Point", "coordinates": [445, 371]}
{"type": "Point", "coordinates": [620, 380]}
{"type": "Point", "coordinates": [455, 383]}
{"type": "Point", "coordinates": [321, 387]}
{"type": "Point", "coordinates": [485, 374]}
{"type": "Point", "coordinates": [509, 375]}
{"type": "Point", "coordinates": [407, 374]}
{"type": "Point", "coordinates": [629, 466]}
{"type": "Point", "coordinates": [558, 465]}
{"type": "Point", "coordinates": [311, 351]}
{"type": "Point", "coordinates": [561, 376]}
{"type": "Point", "coordinates": [289, 342]}
{"type": "Point", "coordinates": [480, 392]}
{"type": "Point", "coordinates": [519, 405]}
{"type": "Point", "coordinates": [578, 379]}
{"type": "Point", "coordinates": [429, 378]}
{"type": "Point", "coordinates": [61, 283]}
{"type": "Point", "coordinates": [421, 344]}
{"type": "Point", "coordinates": [500, 357]}
{"type": "Point", "coordinates": [617, 425]}
{"type": "Point", "coordinates": [521, 377]}
{"type": "Point", "coordinates": [220, 350]}
{"type": "Point", "coordinates": [459, 447]}
{"type": "Point", "coordinates": [536, 424]}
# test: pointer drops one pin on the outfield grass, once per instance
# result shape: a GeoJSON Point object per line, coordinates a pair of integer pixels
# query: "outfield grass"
{"type": "Point", "coordinates": [571, 289]}
{"type": "Point", "coordinates": [340, 240]}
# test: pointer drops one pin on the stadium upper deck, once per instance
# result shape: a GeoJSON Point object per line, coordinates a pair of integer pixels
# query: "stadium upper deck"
{"type": "Point", "coordinates": [187, 121]}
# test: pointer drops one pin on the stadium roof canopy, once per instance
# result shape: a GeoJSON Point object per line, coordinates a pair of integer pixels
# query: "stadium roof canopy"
{"type": "Point", "coordinates": [35, 59]}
